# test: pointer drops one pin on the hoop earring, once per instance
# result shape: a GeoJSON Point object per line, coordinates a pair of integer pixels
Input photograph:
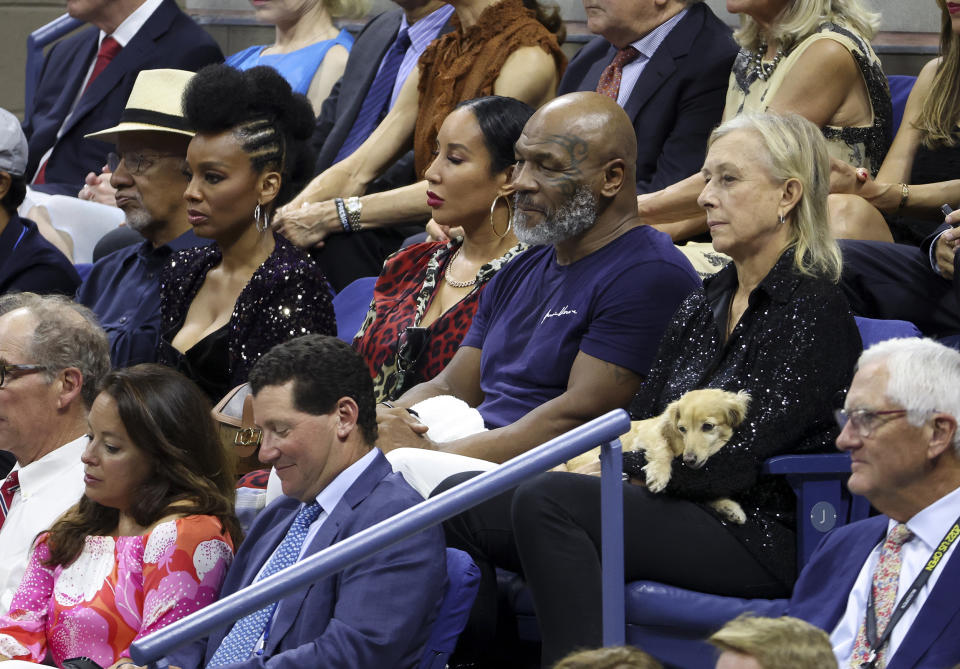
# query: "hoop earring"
{"type": "Point", "coordinates": [493, 206]}
{"type": "Point", "coordinates": [260, 218]}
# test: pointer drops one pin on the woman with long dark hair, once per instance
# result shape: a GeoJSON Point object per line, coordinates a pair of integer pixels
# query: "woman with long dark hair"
{"type": "Point", "coordinates": [151, 538]}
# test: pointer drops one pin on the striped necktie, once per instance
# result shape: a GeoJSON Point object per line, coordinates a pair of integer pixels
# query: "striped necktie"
{"type": "Point", "coordinates": [8, 489]}
{"type": "Point", "coordinates": [375, 104]}
{"type": "Point", "coordinates": [239, 643]}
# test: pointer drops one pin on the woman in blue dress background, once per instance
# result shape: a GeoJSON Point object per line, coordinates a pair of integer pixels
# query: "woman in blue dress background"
{"type": "Point", "coordinates": [309, 51]}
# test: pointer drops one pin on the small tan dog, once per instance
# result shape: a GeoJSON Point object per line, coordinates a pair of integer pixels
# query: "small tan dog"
{"type": "Point", "coordinates": [695, 427]}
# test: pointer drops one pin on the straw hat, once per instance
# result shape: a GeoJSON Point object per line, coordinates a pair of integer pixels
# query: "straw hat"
{"type": "Point", "coordinates": [154, 105]}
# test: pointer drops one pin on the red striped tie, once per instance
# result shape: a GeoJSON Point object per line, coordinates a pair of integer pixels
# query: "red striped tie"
{"type": "Point", "coordinates": [7, 490]}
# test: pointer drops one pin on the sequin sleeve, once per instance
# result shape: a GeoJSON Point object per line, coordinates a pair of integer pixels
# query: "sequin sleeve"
{"type": "Point", "coordinates": [184, 564]}
{"type": "Point", "coordinates": [23, 630]}
{"type": "Point", "coordinates": [287, 297]}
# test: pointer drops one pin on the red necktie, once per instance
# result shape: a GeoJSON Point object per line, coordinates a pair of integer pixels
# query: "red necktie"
{"type": "Point", "coordinates": [109, 48]}
{"type": "Point", "coordinates": [9, 487]}
{"type": "Point", "coordinates": [609, 83]}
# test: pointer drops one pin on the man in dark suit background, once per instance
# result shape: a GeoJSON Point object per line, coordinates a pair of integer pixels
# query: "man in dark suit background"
{"type": "Point", "coordinates": [900, 428]}
{"type": "Point", "coordinates": [667, 63]}
{"type": "Point", "coordinates": [346, 119]}
{"type": "Point", "coordinates": [87, 78]}
{"type": "Point", "coordinates": [314, 399]}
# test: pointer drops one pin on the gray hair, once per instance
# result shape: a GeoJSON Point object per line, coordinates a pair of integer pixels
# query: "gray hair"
{"type": "Point", "coordinates": [67, 335]}
{"type": "Point", "coordinates": [796, 149]}
{"type": "Point", "coordinates": [924, 377]}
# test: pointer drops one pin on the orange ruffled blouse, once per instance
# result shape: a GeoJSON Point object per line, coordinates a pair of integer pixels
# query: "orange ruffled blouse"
{"type": "Point", "coordinates": [464, 64]}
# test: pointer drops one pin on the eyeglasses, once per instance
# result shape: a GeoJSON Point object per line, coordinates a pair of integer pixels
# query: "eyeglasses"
{"type": "Point", "coordinates": [136, 162]}
{"type": "Point", "coordinates": [16, 371]}
{"type": "Point", "coordinates": [865, 421]}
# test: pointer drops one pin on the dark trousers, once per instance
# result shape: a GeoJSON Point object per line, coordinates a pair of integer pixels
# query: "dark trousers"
{"type": "Point", "coordinates": [895, 281]}
{"type": "Point", "coordinates": [549, 528]}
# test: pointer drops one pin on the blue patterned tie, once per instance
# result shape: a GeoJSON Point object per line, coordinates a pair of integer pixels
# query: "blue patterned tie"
{"type": "Point", "coordinates": [238, 645]}
{"type": "Point", "coordinates": [371, 111]}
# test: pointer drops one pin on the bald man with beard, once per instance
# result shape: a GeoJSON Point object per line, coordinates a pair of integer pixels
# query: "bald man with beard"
{"type": "Point", "coordinates": [564, 333]}
{"type": "Point", "coordinates": [567, 330]}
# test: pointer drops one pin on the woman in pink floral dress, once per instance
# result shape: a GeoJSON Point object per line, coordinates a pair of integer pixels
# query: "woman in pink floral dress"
{"type": "Point", "coordinates": [148, 543]}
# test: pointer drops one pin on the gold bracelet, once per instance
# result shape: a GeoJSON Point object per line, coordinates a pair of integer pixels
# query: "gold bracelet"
{"type": "Point", "coordinates": [904, 196]}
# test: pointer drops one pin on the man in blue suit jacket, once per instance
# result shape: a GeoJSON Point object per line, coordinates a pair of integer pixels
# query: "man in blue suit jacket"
{"type": "Point", "coordinates": [167, 38]}
{"type": "Point", "coordinates": [314, 399]}
{"type": "Point", "coordinates": [679, 95]}
{"type": "Point", "coordinates": [900, 429]}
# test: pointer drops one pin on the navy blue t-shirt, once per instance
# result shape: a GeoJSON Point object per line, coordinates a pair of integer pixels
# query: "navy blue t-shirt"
{"type": "Point", "coordinates": [536, 315]}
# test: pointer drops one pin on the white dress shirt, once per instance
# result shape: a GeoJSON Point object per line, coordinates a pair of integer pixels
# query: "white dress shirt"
{"type": "Point", "coordinates": [928, 527]}
{"type": "Point", "coordinates": [48, 487]}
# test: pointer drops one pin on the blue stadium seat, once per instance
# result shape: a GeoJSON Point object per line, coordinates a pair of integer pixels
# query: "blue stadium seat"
{"type": "Point", "coordinates": [36, 41]}
{"type": "Point", "coordinates": [463, 580]}
{"type": "Point", "coordinates": [350, 306]}
{"type": "Point", "coordinates": [900, 87]}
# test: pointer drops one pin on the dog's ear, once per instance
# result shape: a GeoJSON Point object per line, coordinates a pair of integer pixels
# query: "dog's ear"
{"type": "Point", "coordinates": [737, 408]}
{"type": "Point", "coordinates": [668, 427]}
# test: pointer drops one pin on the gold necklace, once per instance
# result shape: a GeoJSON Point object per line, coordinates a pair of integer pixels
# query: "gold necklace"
{"type": "Point", "coordinates": [453, 283]}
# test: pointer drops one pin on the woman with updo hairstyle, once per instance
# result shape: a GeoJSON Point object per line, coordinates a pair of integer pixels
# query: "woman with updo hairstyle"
{"type": "Point", "coordinates": [222, 306]}
{"type": "Point", "coordinates": [152, 537]}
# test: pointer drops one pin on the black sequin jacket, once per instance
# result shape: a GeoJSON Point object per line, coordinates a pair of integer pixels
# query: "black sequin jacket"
{"type": "Point", "coordinates": [286, 297]}
{"type": "Point", "coordinates": [793, 349]}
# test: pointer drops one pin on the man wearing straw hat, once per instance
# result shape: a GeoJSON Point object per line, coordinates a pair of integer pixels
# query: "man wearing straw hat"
{"type": "Point", "coordinates": [151, 140]}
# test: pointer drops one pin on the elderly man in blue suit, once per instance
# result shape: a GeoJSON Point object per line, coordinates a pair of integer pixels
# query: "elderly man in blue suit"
{"type": "Point", "coordinates": [314, 399]}
{"type": "Point", "coordinates": [87, 78]}
{"type": "Point", "coordinates": [900, 428]}
{"type": "Point", "coordinates": [667, 63]}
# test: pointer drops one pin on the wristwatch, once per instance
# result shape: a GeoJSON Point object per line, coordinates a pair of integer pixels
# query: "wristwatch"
{"type": "Point", "coordinates": [353, 207]}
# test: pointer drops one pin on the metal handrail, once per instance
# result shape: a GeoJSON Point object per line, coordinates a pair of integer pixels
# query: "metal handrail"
{"type": "Point", "coordinates": [603, 430]}
{"type": "Point", "coordinates": [36, 42]}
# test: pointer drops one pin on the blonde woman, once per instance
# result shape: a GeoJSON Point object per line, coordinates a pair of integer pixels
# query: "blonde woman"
{"type": "Point", "coordinates": [773, 323]}
{"type": "Point", "coordinates": [787, 46]}
{"type": "Point", "coordinates": [308, 49]}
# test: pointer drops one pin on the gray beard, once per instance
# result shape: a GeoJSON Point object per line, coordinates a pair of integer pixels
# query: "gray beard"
{"type": "Point", "coordinates": [139, 220]}
{"type": "Point", "coordinates": [572, 218]}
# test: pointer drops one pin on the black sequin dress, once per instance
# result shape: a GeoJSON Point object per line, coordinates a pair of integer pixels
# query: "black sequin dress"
{"type": "Point", "coordinates": [286, 297]}
{"type": "Point", "coordinates": [793, 349]}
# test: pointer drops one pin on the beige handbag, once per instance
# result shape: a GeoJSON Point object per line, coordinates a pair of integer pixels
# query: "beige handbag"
{"type": "Point", "coordinates": [238, 433]}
